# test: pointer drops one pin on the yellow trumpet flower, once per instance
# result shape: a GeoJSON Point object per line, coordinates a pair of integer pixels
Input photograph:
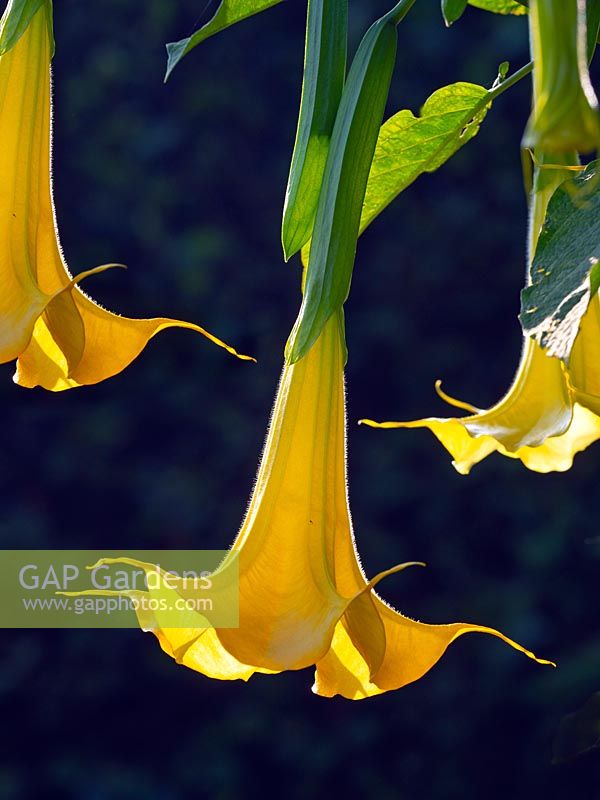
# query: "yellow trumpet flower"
{"type": "Point", "coordinates": [60, 337]}
{"type": "Point", "coordinates": [303, 597]}
{"type": "Point", "coordinates": [552, 410]}
{"type": "Point", "coordinates": [549, 414]}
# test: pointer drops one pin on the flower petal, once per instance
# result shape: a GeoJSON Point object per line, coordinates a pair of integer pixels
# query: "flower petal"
{"type": "Point", "coordinates": [584, 362]}
{"type": "Point", "coordinates": [289, 603]}
{"type": "Point", "coordinates": [537, 407]}
{"type": "Point", "coordinates": [412, 649]}
{"type": "Point", "coordinates": [192, 643]}
{"type": "Point", "coordinates": [24, 122]}
{"type": "Point", "coordinates": [111, 344]}
{"type": "Point", "coordinates": [556, 454]}
{"type": "Point", "coordinates": [466, 451]}
{"type": "Point", "coordinates": [62, 338]}
{"type": "Point", "coordinates": [303, 597]}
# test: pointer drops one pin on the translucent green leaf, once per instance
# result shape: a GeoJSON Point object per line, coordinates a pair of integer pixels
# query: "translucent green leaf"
{"type": "Point", "coordinates": [565, 273]}
{"type": "Point", "coordinates": [337, 220]}
{"type": "Point", "coordinates": [228, 13]}
{"type": "Point", "coordinates": [408, 145]}
{"type": "Point", "coordinates": [516, 7]}
{"type": "Point", "coordinates": [322, 85]}
{"type": "Point", "coordinates": [453, 10]}
{"type": "Point", "coordinates": [17, 16]}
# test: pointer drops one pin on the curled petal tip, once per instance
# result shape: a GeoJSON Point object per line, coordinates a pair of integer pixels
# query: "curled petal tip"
{"type": "Point", "coordinates": [452, 401]}
{"type": "Point", "coordinates": [88, 273]}
{"type": "Point", "coordinates": [409, 564]}
{"type": "Point", "coordinates": [392, 571]}
{"type": "Point", "coordinates": [517, 646]}
{"type": "Point", "coordinates": [543, 661]}
{"type": "Point", "coordinates": [371, 423]}
{"type": "Point", "coordinates": [212, 338]}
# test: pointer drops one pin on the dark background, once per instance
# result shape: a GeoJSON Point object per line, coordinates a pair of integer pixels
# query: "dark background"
{"type": "Point", "coordinates": [185, 184]}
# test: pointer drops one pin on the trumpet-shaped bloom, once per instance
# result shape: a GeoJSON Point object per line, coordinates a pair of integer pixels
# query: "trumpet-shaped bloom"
{"type": "Point", "coordinates": [549, 414]}
{"type": "Point", "coordinates": [60, 337]}
{"type": "Point", "coordinates": [552, 410]}
{"type": "Point", "coordinates": [565, 109]}
{"type": "Point", "coordinates": [303, 596]}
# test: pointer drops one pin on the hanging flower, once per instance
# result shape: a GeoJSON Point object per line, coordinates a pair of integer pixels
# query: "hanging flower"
{"type": "Point", "coordinates": [552, 410]}
{"type": "Point", "coordinates": [58, 335]}
{"type": "Point", "coordinates": [303, 597]}
{"type": "Point", "coordinates": [565, 108]}
{"type": "Point", "coordinates": [549, 414]}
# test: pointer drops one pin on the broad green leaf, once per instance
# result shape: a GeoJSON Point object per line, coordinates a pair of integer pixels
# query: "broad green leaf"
{"type": "Point", "coordinates": [17, 16]}
{"type": "Point", "coordinates": [501, 6]}
{"type": "Point", "coordinates": [564, 273]}
{"type": "Point", "coordinates": [322, 85]}
{"type": "Point", "coordinates": [408, 146]}
{"type": "Point", "coordinates": [228, 13]}
{"type": "Point", "coordinates": [337, 221]}
{"type": "Point", "coordinates": [579, 732]}
{"type": "Point", "coordinates": [453, 10]}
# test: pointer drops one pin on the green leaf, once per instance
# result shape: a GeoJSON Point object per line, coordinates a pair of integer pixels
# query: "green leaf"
{"type": "Point", "coordinates": [333, 246]}
{"type": "Point", "coordinates": [453, 10]}
{"type": "Point", "coordinates": [593, 26]}
{"type": "Point", "coordinates": [503, 69]}
{"type": "Point", "coordinates": [15, 20]}
{"type": "Point", "coordinates": [322, 85]}
{"type": "Point", "coordinates": [565, 273]}
{"type": "Point", "coordinates": [579, 732]}
{"type": "Point", "coordinates": [228, 13]}
{"type": "Point", "coordinates": [501, 6]}
{"type": "Point", "coordinates": [408, 146]}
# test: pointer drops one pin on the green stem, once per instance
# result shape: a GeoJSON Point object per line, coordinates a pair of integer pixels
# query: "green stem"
{"type": "Point", "coordinates": [510, 81]}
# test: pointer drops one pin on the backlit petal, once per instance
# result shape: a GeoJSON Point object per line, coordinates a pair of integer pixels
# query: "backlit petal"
{"type": "Point", "coordinates": [289, 604]}
{"type": "Point", "coordinates": [412, 649]}
{"type": "Point", "coordinates": [537, 408]}
{"type": "Point", "coordinates": [303, 597]}
{"type": "Point", "coordinates": [111, 344]}
{"type": "Point", "coordinates": [24, 165]}
{"type": "Point", "coordinates": [60, 336]}
{"type": "Point", "coordinates": [584, 362]}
